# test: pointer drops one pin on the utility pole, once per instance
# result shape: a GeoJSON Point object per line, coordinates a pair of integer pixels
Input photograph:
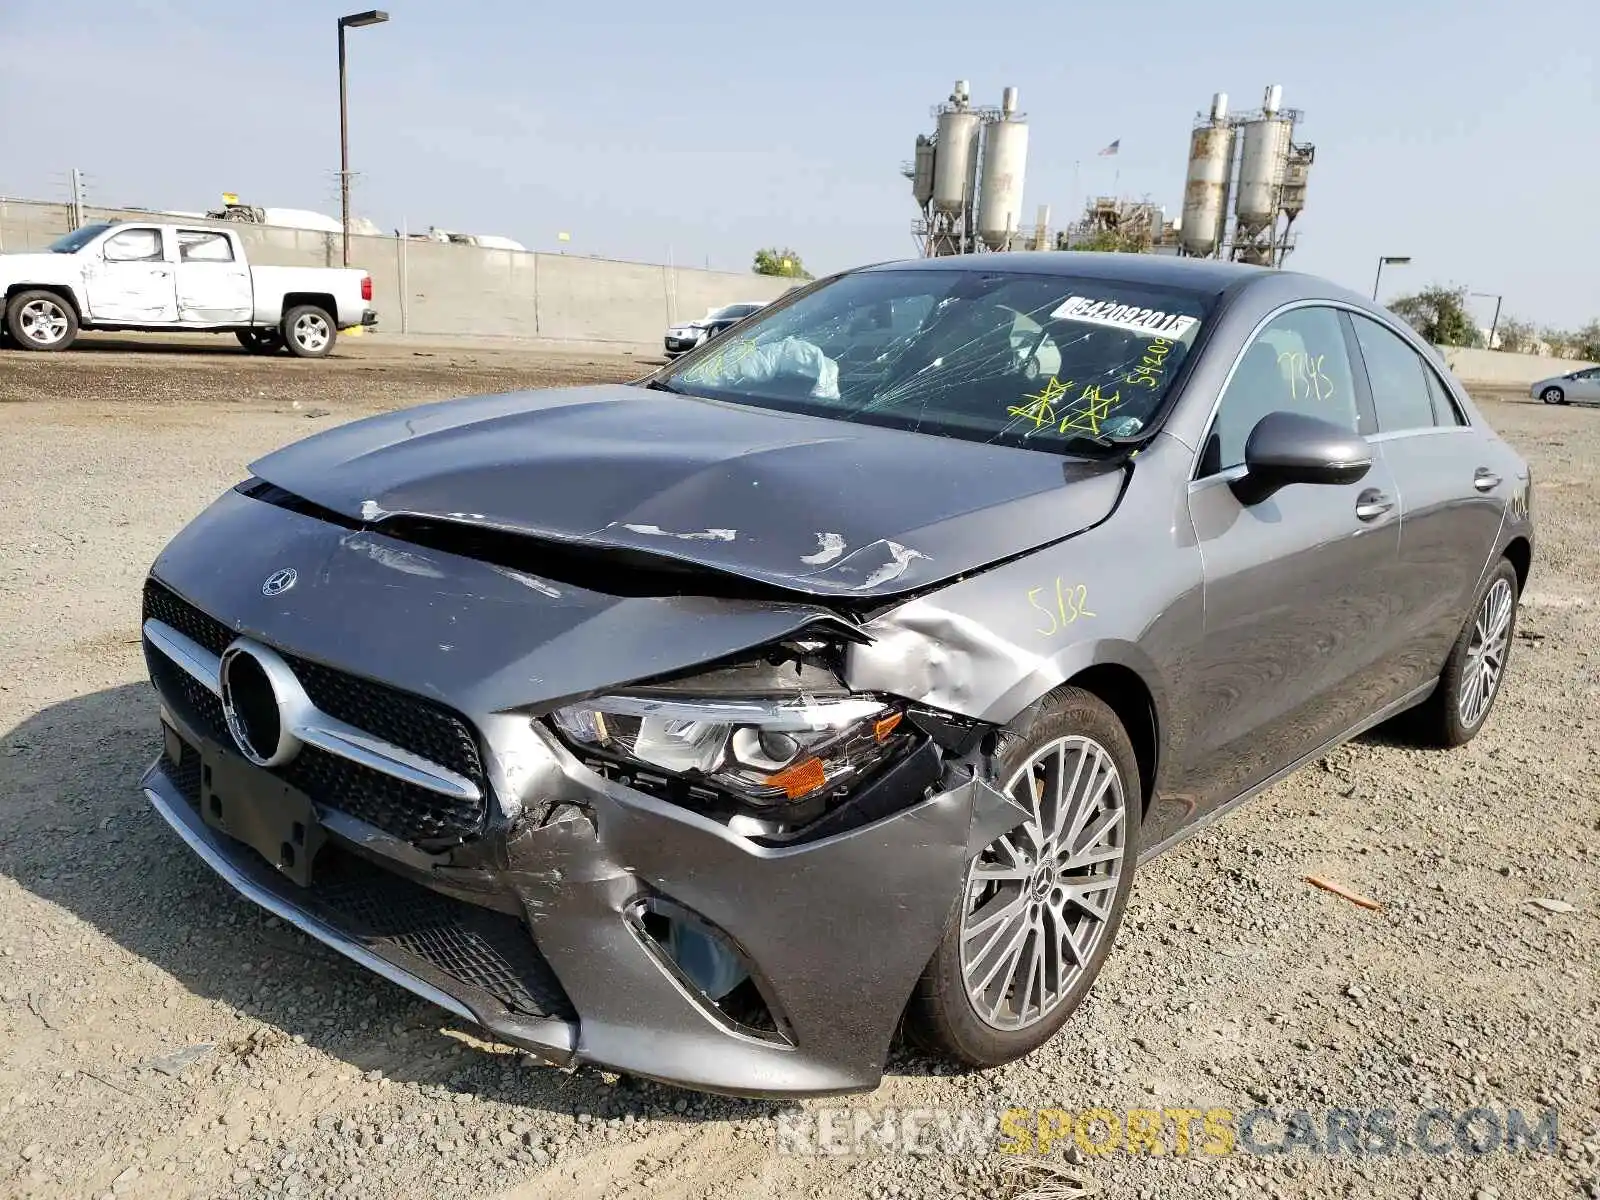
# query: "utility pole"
{"type": "Point", "coordinates": [353, 21]}
{"type": "Point", "coordinates": [76, 205]}
{"type": "Point", "coordinates": [1495, 327]}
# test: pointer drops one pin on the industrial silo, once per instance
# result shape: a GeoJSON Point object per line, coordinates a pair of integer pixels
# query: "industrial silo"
{"type": "Point", "coordinates": [956, 155]}
{"type": "Point", "coordinates": [1205, 195]}
{"type": "Point", "coordinates": [1263, 154]}
{"type": "Point", "coordinates": [922, 171]}
{"type": "Point", "coordinates": [1005, 162]}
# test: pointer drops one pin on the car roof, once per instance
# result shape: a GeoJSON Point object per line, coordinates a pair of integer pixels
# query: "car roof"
{"type": "Point", "coordinates": [1200, 274]}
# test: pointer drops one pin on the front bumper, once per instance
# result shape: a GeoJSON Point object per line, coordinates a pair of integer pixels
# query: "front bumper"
{"type": "Point", "coordinates": [535, 937]}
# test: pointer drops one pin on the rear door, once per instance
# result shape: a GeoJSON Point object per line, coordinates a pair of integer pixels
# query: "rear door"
{"type": "Point", "coordinates": [1298, 625]}
{"type": "Point", "coordinates": [213, 285]}
{"type": "Point", "coordinates": [1452, 500]}
{"type": "Point", "coordinates": [128, 279]}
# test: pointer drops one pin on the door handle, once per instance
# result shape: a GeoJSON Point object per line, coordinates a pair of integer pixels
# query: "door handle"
{"type": "Point", "coordinates": [1485, 480]}
{"type": "Point", "coordinates": [1372, 504]}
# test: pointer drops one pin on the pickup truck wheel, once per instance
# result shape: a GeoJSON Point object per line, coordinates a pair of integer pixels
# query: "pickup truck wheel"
{"type": "Point", "coordinates": [309, 331]}
{"type": "Point", "coordinates": [260, 341]}
{"type": "Point", "coordinates": [41, 321]}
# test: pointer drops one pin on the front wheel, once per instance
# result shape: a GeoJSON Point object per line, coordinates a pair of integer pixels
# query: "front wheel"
{"type": "Point", "coordinates": [309, 331]}
{"type": "Point", "coordinates": [260, 341]}
{"type": "Point", "coordinates": [1040, 906]}
{"type": "Point", "coordinates": [41, 321]}
{"type": "Point", "coordinates": [1553, 395]}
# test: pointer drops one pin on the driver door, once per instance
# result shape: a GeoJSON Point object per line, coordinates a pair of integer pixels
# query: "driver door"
{"type": "Point", "coordinates": [130, 281]}
{"type": "Point", "coordinates": [1298, 629]}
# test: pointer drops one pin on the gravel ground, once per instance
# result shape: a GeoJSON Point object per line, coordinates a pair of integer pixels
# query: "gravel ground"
{"type": "Point", "coordinates": [161, 1038]}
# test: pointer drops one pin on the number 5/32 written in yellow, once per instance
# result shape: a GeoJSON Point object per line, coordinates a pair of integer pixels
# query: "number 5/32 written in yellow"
{"type": "Point", "coordinates": [1071, 603]}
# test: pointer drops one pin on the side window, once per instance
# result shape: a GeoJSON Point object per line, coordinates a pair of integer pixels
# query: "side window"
{"type": "Point", "coordinates": [204, 245]}
{"type": "Point", "coordinates": [134, 245]}
{"type": "Point", "coordinates": [1298, 363]}
{"type": "Point", "coordinates": [1445, 409]}
{"type": "Point", "coordinates": [1399, 379]}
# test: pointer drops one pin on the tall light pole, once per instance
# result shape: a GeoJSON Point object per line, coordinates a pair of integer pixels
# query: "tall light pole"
{"type": "Point", "coordinates": [353, 21]}
{"type": "Point", "coordinates": [1391, 260]}
{"type": "Point", "coordinates": [1495, 327]}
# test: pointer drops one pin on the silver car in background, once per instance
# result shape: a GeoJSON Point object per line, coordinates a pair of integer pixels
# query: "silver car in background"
{"type": "Point", "coordinates": [685, 336]}
{"type": "Point", "coordinates": [1581, 387]}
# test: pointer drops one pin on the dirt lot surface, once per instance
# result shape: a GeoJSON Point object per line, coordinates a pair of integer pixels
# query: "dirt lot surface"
{"type": "Point", "coordinates": [161, 1037]}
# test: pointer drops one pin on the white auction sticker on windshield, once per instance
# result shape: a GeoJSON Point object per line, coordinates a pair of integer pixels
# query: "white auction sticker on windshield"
{"type": "Point", "coordinates": [1152, 321]}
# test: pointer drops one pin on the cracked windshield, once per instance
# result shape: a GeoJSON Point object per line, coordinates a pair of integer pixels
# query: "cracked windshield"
{"type": "Point", "coordinates": [1028, 360]}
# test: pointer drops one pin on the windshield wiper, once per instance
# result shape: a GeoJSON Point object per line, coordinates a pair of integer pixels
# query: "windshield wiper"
{"type": "Point", "coordinates": [1097, 445]}
{"type": "Point", "coordinates": [657, 385]}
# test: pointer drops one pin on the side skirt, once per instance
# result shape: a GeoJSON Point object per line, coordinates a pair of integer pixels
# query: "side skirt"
{"type": "Point", "coordinates": [1395, 707]}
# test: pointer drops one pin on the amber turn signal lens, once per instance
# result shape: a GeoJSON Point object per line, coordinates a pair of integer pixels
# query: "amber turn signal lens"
{"type": "Point", "coordinates": [882, 729]}
{"type": "Point", "coordinates": [800, 779]}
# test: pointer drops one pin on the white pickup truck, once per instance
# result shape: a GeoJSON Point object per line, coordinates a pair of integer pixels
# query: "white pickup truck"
{"type": "Point", "coordinates": [158, 278]}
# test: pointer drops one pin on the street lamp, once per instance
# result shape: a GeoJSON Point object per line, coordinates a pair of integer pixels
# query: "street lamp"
{"type": "Point", "coordinates": [353, 21]}
{"type": "Point", "coordinates": [1495, 327]}
{"type": "Point", "coordinates": [1390, 260]}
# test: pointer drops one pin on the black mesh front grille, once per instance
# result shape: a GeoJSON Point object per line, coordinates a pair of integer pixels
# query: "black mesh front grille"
{"type": "Point", "coordinates": [195, 702]}
{"type": "Point", "coordinates": [403, 809]}
{"type": "Point", "coordinates": [487, 950]}
{"type": "Point", "coordinates": [185, 773]}
{"type": "Point", "coordinates": [426, 729]}
{"type": "Point", "coordinates": [166, 606]}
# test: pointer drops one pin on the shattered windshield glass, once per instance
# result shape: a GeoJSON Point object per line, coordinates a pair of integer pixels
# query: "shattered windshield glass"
{"type": "Point", "coordinates": [1021, 359]}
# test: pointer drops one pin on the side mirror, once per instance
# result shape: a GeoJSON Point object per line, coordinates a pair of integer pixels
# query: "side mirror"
{"type": "Point", "coordinates": [1287, 447]}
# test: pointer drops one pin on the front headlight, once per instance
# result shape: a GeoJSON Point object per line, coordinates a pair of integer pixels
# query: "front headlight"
{"type": "Point", "coordinates": [765, 752]}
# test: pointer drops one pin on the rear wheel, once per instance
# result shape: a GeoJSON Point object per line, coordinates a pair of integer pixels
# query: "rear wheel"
{"type": "Point", "coordinates": [1040, 906]}
{"type": "Point", "coordinates": [1553, 395]}
{"type": "Point", "coordinates": [1477, 664]}
{"type": "Point", "coordinates": [41, 321]}
{"type": "Point", "coordinates": [309, 331]}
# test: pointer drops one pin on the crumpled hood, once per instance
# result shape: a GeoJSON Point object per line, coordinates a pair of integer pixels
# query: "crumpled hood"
{"type": "Point", "coordinates": [802, 503]}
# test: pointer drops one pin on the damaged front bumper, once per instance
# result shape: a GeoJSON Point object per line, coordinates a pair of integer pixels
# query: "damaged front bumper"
{"type": "Point", "coordinates": [546, 934]}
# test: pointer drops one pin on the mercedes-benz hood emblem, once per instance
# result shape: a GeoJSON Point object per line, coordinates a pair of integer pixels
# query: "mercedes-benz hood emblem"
{"type": "Point", "coordinates": [279, 582]}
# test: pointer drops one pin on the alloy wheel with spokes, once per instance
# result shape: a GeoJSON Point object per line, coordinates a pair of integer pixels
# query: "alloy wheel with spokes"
{"type": "Point", "coordinates": [1486, 654]}
{"type": "Point", "coordinates": [308, 331]}
{"type": "Point", "coordinates": [1038, 899]}
{"type": "Point", "coordinates": [41, 320]}
{"type": "Point", "coordinates": [1039, 905]}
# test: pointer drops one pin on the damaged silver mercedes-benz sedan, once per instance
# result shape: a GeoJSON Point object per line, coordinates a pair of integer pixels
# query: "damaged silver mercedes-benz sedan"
{"type": "Point", "coordinates": [839, 675]}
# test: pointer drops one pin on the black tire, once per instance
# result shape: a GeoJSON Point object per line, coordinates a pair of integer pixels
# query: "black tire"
{"type": "Point", "coordinates": [1440, 720]}
{"type": "Point", "coordinates": [260, 341]}
{"type": "Point", "coordinates": [942, 1016]}
{"type": "Point", "coordinates": [1553, 395]}
{"type": "Point", "coordinates": [27, 314]}
{"type": "Point", "coordinates": [297, 331]}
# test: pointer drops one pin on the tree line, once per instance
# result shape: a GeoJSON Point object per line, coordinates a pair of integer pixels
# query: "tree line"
{"type": "Point", "coordinates": [1440, 314]}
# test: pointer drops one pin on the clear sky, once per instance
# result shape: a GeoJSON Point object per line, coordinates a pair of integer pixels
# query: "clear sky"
{"type": "Point", "coordinates": [1464, 133]}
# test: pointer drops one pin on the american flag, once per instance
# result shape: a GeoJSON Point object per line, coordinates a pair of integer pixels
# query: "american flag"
{"type": "Point", "coordinates": [1111, 149]}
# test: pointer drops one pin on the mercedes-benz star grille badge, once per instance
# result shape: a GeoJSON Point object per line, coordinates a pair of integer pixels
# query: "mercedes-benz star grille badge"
{"type": "Point", "coordinates": [279, 582]}
{"type": "Point", "coordinates": [262, 702]}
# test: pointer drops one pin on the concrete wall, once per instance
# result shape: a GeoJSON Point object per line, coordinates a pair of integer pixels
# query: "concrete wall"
{"type": "Point", "coordinates": [1497, 368]}
{"type": "Point", "coordinates": [439, 288]}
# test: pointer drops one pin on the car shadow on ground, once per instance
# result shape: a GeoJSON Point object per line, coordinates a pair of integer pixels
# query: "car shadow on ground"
{"type": "Point", "coordinates": [78, 834]}
{"type": "Point", "coordinates": [213, 345]}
